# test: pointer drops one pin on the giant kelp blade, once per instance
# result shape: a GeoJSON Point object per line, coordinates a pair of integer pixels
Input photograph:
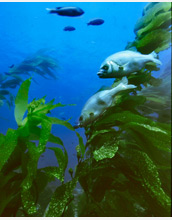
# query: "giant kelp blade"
{"type": "Point", "coordinates": [7, 146]}
{"type": "Point", "coordinates": [34, 153]}
{"type": "Point", "coordinates": [36, 132]}
{"type": "Point", "coordinates": [153, 29]}
{"type": "Point", "coordinates": [159, 21]}
{"type": "Point", "coordinates": [144, 167]}
{"type": "Point", "coordinates": [21, 101]}
{"type": "Point", "coordinates": [81, 144]}
{"type": "Point", "coordinates": [27, 195]}
{"type": "Point", "coordinates": [151, 14]}
{"type": "Point", "coordinates": [106, 151]}
{"type": "Point", "coordinates": [99, 133]}
{"type": "Point", "coordinates": [62, 158]}
{"type": "Point", "coordinates": [2, 138]}
{"type": "Point", "coordinates": [61, 198]}
{"type": "Point", "coordinates": [45, 108]}
{"type": "Point", "coordinates": [53, 172]}
{"type": "Point", "coordinates": [158, 137]}
{"type": "Point", "coordinates": [61, 122]}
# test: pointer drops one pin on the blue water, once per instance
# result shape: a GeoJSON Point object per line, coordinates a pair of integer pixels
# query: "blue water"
{"type": "Point", "coordinates": [26, 28]}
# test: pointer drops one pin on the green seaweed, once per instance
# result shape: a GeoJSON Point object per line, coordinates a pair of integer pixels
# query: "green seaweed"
{"type": "Point", "coordinates": [156, 23]}
{"type": "Point", "coordinates": [156, 40]}
{"type": "Point", "coordinates": [60, 199]}
{"type": "Point", "coordinates": [105, 152]}
{"type": "Point", "coordinates": [8, 144]}
{"type": "Point", "coordinates": [124, 168]}
{"type": "Point", "coordinates": [127, 172]}
{"type": "Point", "coordinates": [152, 13]}
{"type": "Point", "coordinates": [21, 101]}
{"type": "Point", "coordinates": [153, 31]}
{"type": "Point", "coordinates": [81, 145]}
{"type": "Point", "coordinates": [20, 155]}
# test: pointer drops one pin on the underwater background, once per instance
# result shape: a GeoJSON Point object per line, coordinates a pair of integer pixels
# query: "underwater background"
{"type": "Point", "coordinates": [28, 30]}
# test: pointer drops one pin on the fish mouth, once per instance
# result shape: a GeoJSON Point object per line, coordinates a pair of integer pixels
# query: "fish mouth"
{"type": "Point", "coordinates": [100, 74]}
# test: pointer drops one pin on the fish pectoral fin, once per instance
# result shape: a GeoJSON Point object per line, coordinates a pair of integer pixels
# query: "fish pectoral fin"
{"type": "Point", "coordinates": [123, 67]}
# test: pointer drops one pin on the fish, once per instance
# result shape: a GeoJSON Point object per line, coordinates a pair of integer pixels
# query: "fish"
{"type": "Point", "coordinates": [66, 11]}
{"type": "Point", "coordinates": [2, 78]}
{"type": "Point", "coordinates": [6, 73]}
{"type": "Point", "coordinates": [124, 63]}
{"type": "Point", "coordinates": [69, 28]}
{"type": "Point", "coordinates": [4, 92]}
{"type": "Point", "coordinates": [11, 66]}
{"type": "Point", "coordinates": [97, 21]}
{"type": "Point", "coordinates": [13, 83]}
{"type": "Point", "coordinates": [100, 102]}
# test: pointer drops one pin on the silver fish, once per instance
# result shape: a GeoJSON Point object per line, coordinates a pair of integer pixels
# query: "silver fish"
{"type": "Point", "coordinates": [99, 102]}
{"type": "Point", "coordinates": [124, 63]}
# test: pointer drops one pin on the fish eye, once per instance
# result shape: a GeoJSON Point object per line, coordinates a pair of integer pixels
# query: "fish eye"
{"type": "Point", "coordinates": [81, 118]}
{"type": "Point", "coordinates": [105, 67]}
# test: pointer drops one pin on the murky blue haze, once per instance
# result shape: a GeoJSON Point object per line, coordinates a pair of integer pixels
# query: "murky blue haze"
{"type": "Point", "coordinates": [26, 28]}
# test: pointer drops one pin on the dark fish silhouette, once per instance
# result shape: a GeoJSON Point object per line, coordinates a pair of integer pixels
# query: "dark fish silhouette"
{"type": "Point", "coordinates": [69, 28]}
{"type": "Point", "coordinates": [2, 78]}
{"type": "Point", "coordinates": [8, 74]}
{"type": "Point", "coordinates": [67, 11]}
{"type": "Point", "coordinates": [11, 83]}
{"type": "Point", "coordinates": [4, 92]}
{"type": "Point", "coordinates": [11, 66]}
{"type": "Point", "coordinates": [97, 21]}
{"type": "Point", "coordinates": [63, 118]}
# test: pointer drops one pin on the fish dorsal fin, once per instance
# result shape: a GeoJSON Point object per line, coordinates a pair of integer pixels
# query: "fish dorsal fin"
{"type": "Point", "coordinates": [58, 7]}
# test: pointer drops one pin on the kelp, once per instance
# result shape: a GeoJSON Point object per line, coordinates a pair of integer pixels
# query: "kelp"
{"type": "Point", "coordinates": [125, 166]}
{"type": "Point", "coordinates": [158, 98]}
{"type": "Point", "coordinates": [61, 198]}
{"type": "Point", "coordinates": [150, 13]}
{"type": "Point", "coordinates": [128, 166]}
{"type": "Point", "coordinates": [107, 151]}
{"type": "Point", "coordinates": [19, 156]}
{"type": "Point", "coordinates": [153, 29]}
{"type": "Point", "coordinates": [40, 63]}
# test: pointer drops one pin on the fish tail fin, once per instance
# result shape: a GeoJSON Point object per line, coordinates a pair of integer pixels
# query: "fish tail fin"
{"type": "Point", "coordinates": [122, 86]}
{"type": "Point", "coordinates": [154, 54]}
{"type": "Point", "coordinates": [155, 58]}
{"type": "Point", "coordinates": [51, 11]}
{"type": "Point", "coordinates": [48, 9]}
